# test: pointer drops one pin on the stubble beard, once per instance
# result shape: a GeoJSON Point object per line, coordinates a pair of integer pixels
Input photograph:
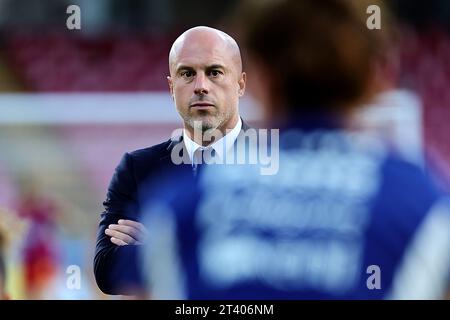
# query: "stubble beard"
{"type": "Point", "coordinates": [205, 120]}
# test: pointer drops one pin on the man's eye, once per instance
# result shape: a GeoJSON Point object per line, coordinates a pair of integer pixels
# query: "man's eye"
{"type": "Point", "coordinates": [187, 74]}
{"type": "Point", "coordinates": [215, 73]}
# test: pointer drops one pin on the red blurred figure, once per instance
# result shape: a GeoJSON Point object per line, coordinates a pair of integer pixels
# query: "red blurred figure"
{"type": "Point", "coordinates": [39, 249]}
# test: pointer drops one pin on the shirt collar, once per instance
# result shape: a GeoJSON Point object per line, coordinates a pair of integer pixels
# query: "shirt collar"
{"type": "Point", "coordinates": [220, 146]}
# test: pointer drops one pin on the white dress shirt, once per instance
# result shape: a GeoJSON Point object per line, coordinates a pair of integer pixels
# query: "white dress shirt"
{"type": "Point", "coordinates": [221, 146]}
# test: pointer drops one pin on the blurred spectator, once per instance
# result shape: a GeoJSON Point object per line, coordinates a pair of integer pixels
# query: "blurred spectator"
{"type": "Point", "coordinates": [3, 294]}
{"type": "Point", "coordinates": [12, 230]}
{"type": "Point", "coordinates": [344, 218]}
{"type": "Point", "coordinates": [40, 245]}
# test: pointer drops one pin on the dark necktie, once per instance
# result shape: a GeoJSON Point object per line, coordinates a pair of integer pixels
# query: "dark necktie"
{"type": "Point", "coordinates": [201, 158]}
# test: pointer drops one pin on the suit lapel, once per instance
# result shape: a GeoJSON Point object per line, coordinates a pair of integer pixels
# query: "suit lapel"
{"type": "Point", "coordinates": [176, 143]}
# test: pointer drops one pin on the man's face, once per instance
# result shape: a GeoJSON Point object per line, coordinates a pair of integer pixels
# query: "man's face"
{"type": "Point", "coordinates": [206, 82]}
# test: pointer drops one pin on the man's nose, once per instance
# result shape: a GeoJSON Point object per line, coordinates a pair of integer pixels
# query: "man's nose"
{"type": "Point", "coordinates": [201, 85]}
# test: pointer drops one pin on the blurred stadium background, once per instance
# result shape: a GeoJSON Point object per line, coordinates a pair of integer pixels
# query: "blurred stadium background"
{"type": "Point", "coordinates": [73, 101]}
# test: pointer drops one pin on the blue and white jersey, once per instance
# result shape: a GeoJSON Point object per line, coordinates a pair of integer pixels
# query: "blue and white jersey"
{"type": "Point", "coordinates": [341, 219]}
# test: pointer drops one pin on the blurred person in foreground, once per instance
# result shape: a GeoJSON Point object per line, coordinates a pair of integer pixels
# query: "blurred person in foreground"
{"type": "Point", "coordinates": [344, 217]}
{"type": "Point", "coordinates": [206, 82]}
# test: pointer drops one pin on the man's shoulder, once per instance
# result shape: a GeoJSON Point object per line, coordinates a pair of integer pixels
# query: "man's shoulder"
{"type": "Point", "coordinates": [154, 152]}
{"type": "Point", "coordinates": [146, 161]}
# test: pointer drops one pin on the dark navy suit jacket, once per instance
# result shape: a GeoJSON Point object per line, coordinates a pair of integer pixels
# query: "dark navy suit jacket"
{"type": "Point", "coordinates": [117, 269]}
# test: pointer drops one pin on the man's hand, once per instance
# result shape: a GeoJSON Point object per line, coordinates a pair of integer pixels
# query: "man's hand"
{"type": "Point", "coordinates": [127, 232]}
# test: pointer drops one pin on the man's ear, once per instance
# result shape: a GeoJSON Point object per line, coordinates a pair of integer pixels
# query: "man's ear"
{"type": "Point", "coordinates": [242, 81]}
{"type": "Point", "coordinates": [169, 81]}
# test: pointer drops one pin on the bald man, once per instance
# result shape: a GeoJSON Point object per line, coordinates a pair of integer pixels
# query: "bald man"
{"type": "Point", "coordinates": [205, 82]}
